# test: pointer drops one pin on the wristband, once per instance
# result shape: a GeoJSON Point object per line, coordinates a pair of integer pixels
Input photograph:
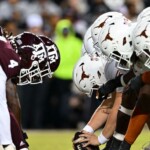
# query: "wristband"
{"type": "Point", "coordinates": [102, 139]}
{"type": "Point", "coordinates": [88, 129]}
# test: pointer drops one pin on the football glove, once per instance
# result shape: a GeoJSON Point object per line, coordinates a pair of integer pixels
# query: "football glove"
{"type": "Point", "coordinates": [107, 88]}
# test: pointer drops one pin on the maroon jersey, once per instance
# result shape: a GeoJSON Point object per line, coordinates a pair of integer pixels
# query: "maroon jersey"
{"type": "Point", "coordinates": [9, 59]}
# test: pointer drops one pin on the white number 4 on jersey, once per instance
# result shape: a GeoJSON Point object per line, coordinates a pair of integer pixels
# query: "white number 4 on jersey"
{"type": "Point", "coordinates": [13, 64]}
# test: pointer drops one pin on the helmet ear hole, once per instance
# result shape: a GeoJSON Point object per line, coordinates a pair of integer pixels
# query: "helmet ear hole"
{"type": "Point", "coordinates": [32, 57]}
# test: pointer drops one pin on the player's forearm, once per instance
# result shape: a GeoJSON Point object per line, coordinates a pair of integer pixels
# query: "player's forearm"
{"type": "Point", "coordinates": [108, 130]}
{"type": "Point", "coordinates": [100, 115]}
{"type": "Point", "coordinates": [110, 125]}
{"type": "Point", "coordinates": [98, 119]}
{"type": "Point", "coordinates": [13, 100]}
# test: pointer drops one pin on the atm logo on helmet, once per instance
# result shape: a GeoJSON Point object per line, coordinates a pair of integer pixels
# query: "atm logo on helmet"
{"type": "Point", "coordinates": [40, 52]}
{"type": "Point", "coordinates": [52, 53]}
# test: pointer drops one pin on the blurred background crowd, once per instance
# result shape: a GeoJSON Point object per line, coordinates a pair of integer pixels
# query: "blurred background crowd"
{"type": "Point", "coordinates": [57, 103]}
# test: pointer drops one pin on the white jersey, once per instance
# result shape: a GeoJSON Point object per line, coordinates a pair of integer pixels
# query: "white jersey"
{"type": "Point", "coordinates": [112, 71]}
{"type": "Point", "coordinates": [5, 134]}
{"type": "Point", "coordinates": [3, 79]}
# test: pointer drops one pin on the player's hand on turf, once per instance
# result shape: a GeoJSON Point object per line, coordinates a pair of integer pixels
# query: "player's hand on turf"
{"type": "Point", "coordinates": [89, 139]}
{"type": "Point", "coordinates": [78, 142]}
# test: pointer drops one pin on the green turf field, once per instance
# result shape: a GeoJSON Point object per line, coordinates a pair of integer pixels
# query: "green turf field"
{"type": "Point", "coordinates": [61, 139]}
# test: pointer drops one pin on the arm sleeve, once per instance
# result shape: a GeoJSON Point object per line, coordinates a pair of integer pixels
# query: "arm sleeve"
{"type": "Point", "coordinates": [146, 77]}
{"type": "Point", "coordinates": [119, 81]}
{"type": "Point", "coordinates": [127, 77]}
{"type": "Point", "coordinates": [110, 86]}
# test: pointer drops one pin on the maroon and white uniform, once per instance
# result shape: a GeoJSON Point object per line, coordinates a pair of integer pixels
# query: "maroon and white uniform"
{"type": "Point", "coordinates": [9, 67]}
{"type": "Point", "coordinates": [9, 60]}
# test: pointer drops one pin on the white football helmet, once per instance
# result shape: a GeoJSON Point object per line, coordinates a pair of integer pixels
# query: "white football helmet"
{"type": "Point", "coordinates": [88, 42]}
{"type": "Point", "coordinates": [133, 25]}
{"type": "Point", "coordinates": [141, 41]}
{"type": "Point", "coordinates": [88, 73]}
{"type": "Point", "coordinates": [99, 24]}
{"type": "Point", "coordinates": [143, 14]}
{"type": "Point", "coordinates": [115, 41]}
{"type": "Point", "coordinates": [83, 51]}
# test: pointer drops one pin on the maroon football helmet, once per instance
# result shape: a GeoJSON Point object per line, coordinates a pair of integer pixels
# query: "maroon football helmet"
{"type": "Point", "coordinates": [52, 52]}
{"type": "Point", "coordinates": [36, 59]}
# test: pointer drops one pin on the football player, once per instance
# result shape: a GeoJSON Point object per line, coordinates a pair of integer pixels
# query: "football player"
{"type": "Point", "coordinates": [101, 113]}
{"type": "Point", "coordinates": [88, 76]}
{"type": "Point", "coordinates": [141, 83]}
{"type": "Point", "coordinates": [26, 60]}
{"type": "Point", "coordinates": [124, 63]}
{"type": "Point", "coordinates": [87, 83]}
{"type": "Point", "coordinates": [131, 92]}
{"type": "Point", "coordinates": [141, 113]}
{"type": "Point", "coordinates": [139, 116]}
{"type": "Point", "coordinates": [18, 136]}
